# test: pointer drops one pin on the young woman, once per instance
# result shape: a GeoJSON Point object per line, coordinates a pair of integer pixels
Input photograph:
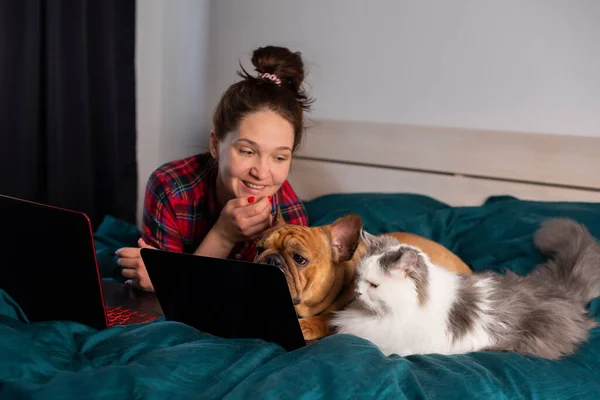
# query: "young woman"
{"type": "Point", "coordinates": [218, 203]}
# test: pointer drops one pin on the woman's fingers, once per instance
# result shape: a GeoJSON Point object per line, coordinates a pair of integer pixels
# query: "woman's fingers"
{"type": "Point", "coordinates": [145, 245]}
{"type": "Point", "coordinates": [129, 273]}
{"type": "Point", "coordinates": [128, 262]}
{"type": "Point", "coordinates": [141, 283]}
{"type": "Point", "coordinates": [128, 252]}
{"type": "Point", "coordinates": [257, 229]}
{"type": "Point", "coordinates": [253, 209]}
{"type": "Point", "coordinates": [133, 266]}
{"type": "Point", "coordinates": [133, 252]}
{"type": "Point", "coordinates": [257, 219]}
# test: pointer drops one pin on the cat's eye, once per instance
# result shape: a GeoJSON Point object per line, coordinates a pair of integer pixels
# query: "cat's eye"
{"type": "Point", "coordinates": [374, 286]}
{"type": "Point", "coordinates": [298, 259]}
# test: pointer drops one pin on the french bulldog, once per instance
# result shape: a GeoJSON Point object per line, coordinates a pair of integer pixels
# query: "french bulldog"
{"type": "Point", "coordinates": [319, 265]}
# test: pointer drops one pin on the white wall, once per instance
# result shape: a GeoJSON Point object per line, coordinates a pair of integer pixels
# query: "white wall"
{"type": "Point", "coordinates": [171, 71]}
{"type": "Point", "coordinates": [522, 65]}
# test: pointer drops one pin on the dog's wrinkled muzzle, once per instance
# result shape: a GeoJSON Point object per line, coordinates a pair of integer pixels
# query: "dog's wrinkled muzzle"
{"type": "Point", "coordinates": [274, 259]}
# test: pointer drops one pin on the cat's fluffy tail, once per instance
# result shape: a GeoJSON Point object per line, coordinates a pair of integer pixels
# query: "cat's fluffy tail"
{"type": "Point", "coordinates": [574, 257]}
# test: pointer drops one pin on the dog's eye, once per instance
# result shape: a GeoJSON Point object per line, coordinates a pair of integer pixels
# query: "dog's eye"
{"type": "Point", "coordinates": [298, 259]}
{"type": "Point", "coordinates": [259, 249]}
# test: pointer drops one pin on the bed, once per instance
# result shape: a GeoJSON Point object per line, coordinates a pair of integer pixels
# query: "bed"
{"type": "Point", "coordinates": [478, 195]}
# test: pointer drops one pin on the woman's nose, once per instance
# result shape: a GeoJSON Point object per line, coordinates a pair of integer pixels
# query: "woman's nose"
{"type": "Point", "coordinates": [260, 170]}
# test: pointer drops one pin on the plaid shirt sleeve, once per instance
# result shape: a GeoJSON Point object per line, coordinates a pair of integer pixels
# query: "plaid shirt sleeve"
{"type": "Point", "coordinates": [292, 209]}
{"type": "Point", "coordinates": [159, 221]}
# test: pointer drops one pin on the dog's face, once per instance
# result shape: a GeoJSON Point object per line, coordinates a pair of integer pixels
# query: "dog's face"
{"type": "Point", "coordinates": [310, 257]}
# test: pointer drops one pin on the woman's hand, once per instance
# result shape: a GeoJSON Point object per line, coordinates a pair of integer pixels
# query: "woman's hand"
{"type": "Point", "coordinates": [133, 266]}
{"type": "Point", "coordinates": [243, 219]}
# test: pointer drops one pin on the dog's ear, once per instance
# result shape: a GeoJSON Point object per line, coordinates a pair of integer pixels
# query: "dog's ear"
{"type": "Point", "coordinates": [279, 220]}
{"type": "Point", "coordinates": [345, 236]}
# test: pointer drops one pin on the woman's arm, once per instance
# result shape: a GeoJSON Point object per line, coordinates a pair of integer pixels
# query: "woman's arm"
{"type": "Point", "coordinates": [214, 245]}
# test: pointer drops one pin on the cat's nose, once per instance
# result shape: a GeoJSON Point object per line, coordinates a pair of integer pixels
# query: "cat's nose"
{"type": "Point", "coordinates": [358, 293]}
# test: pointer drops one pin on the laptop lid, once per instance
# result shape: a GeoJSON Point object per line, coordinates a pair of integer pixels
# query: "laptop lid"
{"type": "Point", "coordinates": [49, 263]}
{"type": "Point", "coordinates": [226, 298]}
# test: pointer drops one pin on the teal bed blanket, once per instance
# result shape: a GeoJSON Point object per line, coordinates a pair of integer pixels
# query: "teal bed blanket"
{"type": "Point", "coordinates": [162, 359]}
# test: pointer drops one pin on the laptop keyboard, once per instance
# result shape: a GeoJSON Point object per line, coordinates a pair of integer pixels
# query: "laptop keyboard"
{"type": "Point", "coordinates": [125, 316]}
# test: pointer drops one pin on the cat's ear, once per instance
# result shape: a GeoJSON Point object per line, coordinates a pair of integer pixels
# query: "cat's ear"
{"type": "Point", "coordinates": [345, 234]}
{"type": "Point", "coordinates": [367, 238]}
{"type": "Point", "coordinates": [406, 263]}
{"type": "Point", "coordinates": [409, 259]}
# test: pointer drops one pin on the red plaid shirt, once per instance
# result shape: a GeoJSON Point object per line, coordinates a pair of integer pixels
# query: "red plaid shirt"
{"type": "Point", "coordinates": [180, 206]}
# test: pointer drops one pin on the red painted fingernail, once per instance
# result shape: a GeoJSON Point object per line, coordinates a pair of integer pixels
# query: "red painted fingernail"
{"type": "Point", "coordinates": [250, 199]}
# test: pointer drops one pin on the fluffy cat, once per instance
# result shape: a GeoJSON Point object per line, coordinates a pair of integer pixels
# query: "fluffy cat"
{"type": "Point", "coordinates": [407, 305]}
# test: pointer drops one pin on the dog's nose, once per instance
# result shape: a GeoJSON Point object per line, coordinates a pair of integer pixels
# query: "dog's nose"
{"type": "Point", "coordinates": [296, 301]}
{"type": "Point", "coordinates": [274, 259]}
{"type": "Point", "coordinates": [358, 293]}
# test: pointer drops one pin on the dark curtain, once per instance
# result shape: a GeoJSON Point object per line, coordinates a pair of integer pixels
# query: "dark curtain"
{"type": "Point", "coordinates": [67, 108]}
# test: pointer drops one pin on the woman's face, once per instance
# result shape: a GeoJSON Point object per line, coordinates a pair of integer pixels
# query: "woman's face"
{"type": "Point", "coordinates": [254, 161]}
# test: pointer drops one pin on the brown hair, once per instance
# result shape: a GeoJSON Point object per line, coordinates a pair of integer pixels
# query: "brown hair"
{"type": "Point", "coordinates": [286, 96]}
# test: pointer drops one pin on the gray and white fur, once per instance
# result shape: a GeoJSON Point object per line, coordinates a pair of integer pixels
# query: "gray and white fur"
{"type": "Point", "coordinates": [407, 305]}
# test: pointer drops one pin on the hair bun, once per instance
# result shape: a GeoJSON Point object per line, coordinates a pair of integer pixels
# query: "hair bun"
{"type": "Point", "coordinates": [281, 62]}
{"type": "Point", "coordinates": [286, 66]}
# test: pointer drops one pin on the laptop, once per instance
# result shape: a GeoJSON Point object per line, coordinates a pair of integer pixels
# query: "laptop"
{"type": "Point", "coordinates": [50, 269]}
{"type": "Point", "coordinates": [225, 298]}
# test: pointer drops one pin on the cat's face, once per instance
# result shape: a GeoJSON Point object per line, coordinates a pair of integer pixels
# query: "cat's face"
{"type": "Point", "coordinates": [390, 275]}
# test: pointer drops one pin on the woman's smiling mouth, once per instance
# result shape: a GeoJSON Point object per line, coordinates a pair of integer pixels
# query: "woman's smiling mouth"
{"type": "Point", "coordinates": [253, 185]}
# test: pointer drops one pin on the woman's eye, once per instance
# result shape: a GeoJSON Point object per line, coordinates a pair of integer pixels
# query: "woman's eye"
{"type": "Point", "coordinates": [298, 259]}
{"type": "Point", "coordinates": [281, 159]}
{"type": "Point", "coordinates": [246, 152]}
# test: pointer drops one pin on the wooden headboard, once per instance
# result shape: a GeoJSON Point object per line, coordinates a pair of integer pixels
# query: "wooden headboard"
{"type": "Point", "coordinates": [461, 167]}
